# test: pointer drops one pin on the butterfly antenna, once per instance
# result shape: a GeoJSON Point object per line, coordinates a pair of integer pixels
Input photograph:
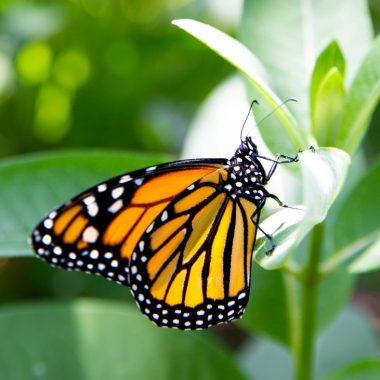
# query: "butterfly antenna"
{"type": "Point", "coordinates": [275, 109]}
{"type": "Point", "coordinates": [246, 118]}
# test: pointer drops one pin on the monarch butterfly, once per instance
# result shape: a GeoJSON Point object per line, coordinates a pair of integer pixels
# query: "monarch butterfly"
{"type": "Point", "coordinates": [180, 235]}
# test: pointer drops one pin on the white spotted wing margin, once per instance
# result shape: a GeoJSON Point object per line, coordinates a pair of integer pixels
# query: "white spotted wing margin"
{"type": "Point", "coordinates": [192, 266]}
{"type": "Point", "coordinates": [72, 236]}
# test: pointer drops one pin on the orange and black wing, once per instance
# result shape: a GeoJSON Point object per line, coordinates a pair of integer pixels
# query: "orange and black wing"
{"type": "Point", "coordinates": [99, 230]}
{"type": "Point", "coordinates": [191, 266]}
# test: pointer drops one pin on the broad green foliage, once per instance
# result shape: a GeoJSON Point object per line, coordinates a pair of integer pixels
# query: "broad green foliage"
{"type": "Point", "coordinates": [98, 340]}
{"type": "Point", "coordinates": [335, 355]}
{"type": "Point", "coordinates": [356, 233]}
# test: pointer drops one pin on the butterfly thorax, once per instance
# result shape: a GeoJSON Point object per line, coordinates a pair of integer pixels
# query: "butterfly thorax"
{"type": "Point", "coordinates": [246, 174]}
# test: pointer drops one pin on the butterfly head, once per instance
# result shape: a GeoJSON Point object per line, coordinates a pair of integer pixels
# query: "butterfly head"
{"type": "Point", "coordinates": [248, 147]}
{"type": "Point", "coordinates": [246, 171]}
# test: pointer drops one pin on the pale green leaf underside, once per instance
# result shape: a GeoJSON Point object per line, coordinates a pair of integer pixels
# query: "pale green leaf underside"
{"type": "Point", "coordinates": [244, 60]}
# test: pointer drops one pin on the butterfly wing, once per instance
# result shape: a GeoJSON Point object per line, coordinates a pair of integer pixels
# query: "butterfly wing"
{"type": "Point", "coordinates": [191, 268]}
{"type": "Point", "coordinates": [98, 230]}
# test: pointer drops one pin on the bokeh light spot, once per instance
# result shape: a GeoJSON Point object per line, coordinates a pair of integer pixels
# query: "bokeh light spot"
{"type": "Point", "coordinates": [33, 62]}
{"type": "Point", "coordinates": [52, 116]}
{"type": "Point", "coordinates": [71, 69]}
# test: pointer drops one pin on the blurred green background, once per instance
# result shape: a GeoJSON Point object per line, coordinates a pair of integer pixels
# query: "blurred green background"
{"type": "Point", "coordinates": [101, 73]}
{"type": "Point", "coordinates": [111, 74]}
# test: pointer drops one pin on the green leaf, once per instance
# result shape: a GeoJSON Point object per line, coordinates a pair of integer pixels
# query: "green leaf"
{"type": "Point", "coordinates": [367, 369]}
{"type": "Point", "coordinates": [268, 312]}
{"type": "Point", "coordinates": [330, 57]}
{"type": "Point", "coordinates": [287, 37]}
{"type": "Point", "coordinates": [98, 340]}
{"type": "Point", "coordinates": [258, 355]}
{"type": "Point", "coordinates": [334, 292]}
{"type": "Point", "coordinates": [31, 185]}
{"type": "Point", "coordinates": [350, 339]}
{"type": "Point", "coordinates": [361, 100]}
{"type": "Point", "coordinates": [357, 224]}
{"type": "Point", "coordinates": [328, 108]}
{"type": "Point", "coordinates": [369, 260]}
{"type": "Point", "coordinates": [240, 57]}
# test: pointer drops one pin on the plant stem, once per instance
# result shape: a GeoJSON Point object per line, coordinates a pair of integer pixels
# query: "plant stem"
{"type": "Point", "coordinates": [290, 281]}
{"type": "Point", "coordinates": [304, 354]}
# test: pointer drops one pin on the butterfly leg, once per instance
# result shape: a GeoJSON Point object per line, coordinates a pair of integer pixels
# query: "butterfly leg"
{"type": "Point", "coordinates": [267, 194]}
{"type": "Point", "coordinates": [271, 241]}
{"type": "Point", "coordinates": [280, 159]}
{"type": "Point", "coordinates": [269, 238]}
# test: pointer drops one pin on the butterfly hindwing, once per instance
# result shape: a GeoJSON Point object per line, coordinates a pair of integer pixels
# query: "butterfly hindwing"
{"type": "Point", "coordinates": [191, 267]}
{"type": "Point", "coordinates": [97, 231]}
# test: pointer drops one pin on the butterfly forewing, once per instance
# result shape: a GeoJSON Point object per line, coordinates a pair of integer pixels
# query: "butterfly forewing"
{"type": "Point", "coordinates": [191, 267]}
{"type": "Point", "coordinates": [98, 230]}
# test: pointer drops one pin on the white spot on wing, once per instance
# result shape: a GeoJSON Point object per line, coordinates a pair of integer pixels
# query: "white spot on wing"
{"type": "Point", "coordinates": [150, 228]}
{"type": "Point", "coordinates": [116, 206]}
{"type": "Point", "coordinates": [116, 193]}
{"type": "Point", "coordinates": [53, 214]}
{"type": "Point", "coordinates": [90, 234]}
{"type": "Point", "coordinates": [102, 187]}
{"type": "Point", "coordinates": [125, 178]}
{"type": "Point", "coordinates": [93, 209]}
{"type": "Point", "coordinates": [46, 239]}
{"type": "Point", "coordinates": [114, 263]}
{"type": "Point", "coordinates": [87, 201]}
{"type": "Point", "coordinates": [48, 223]}
{"type": "Point", "coordinates": [57, 250]}
{"type": "Point", "coordinates": [164, 216]}
{"type": "Point", "coordinates": [94, 254]}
